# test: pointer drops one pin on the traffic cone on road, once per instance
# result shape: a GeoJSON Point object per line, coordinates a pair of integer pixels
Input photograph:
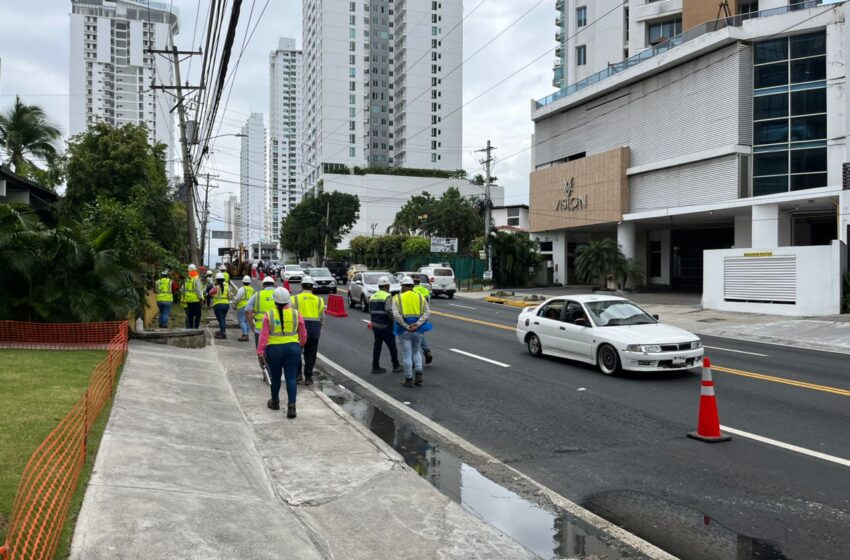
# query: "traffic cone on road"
{"type": "Point", "coordinates": [336, 306]}
{"type": "Point", "coordinates": [708, 428]}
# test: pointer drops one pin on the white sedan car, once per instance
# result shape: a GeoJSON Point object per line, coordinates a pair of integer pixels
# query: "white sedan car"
{"type": "Point", "coordinates": [610, 332]}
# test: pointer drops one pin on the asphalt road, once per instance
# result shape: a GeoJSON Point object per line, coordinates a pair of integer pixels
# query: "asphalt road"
{"type": "Point", "coordinates": [618, 443]}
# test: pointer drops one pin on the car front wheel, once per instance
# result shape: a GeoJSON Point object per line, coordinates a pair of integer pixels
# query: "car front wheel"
{"type": "Point", "coordinates": [364, 307]}
{"type": "Point", "coordinates": [535, 348]}
{"type": "Point", "coordinates": [350, 301]}
{"type": "Point", "coordinates": [608, 359]}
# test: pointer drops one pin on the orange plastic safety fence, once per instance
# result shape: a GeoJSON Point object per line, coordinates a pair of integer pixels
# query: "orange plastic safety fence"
{"type": "Point", "coordinates": [50, 477]}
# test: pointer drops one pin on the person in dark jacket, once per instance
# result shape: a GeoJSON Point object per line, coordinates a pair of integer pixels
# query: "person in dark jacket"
{"type": "Point", "coordinates": [382, 327]}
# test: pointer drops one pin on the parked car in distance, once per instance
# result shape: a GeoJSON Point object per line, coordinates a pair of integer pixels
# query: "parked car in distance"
{"type": "Point", "coordinates": [293, 272]}
{"type": "Point", "coordinates": [442, 279]}
{"type": "Point", "coordinates": [364, 284]}
{"type": "Point", "coordinates": [305, 265]}
{"type": "Point", "coordinates": [339, 270]}
{"type": "Point", "coordinates": [354, 269]}
{"type": "Point", "coordinates": [423, 278]}
{"type": "Point", "coordinates": [323, 280]}
{"type": "Point", "coordinates": [610, 332]}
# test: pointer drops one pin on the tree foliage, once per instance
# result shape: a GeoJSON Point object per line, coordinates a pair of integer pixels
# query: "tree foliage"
{"type": "Point", "coordinates": [26, 134]}
{"type": "Point", "coordinates": [602, 258]}
{"type": "Point", "coordinates": [416, 247]}
{"type": "Point", "coordinates": [513, 255]}
{"type": "Point", "coordinates": [451, 215]}
{"type": "Point", "coordinates": [304, 228]}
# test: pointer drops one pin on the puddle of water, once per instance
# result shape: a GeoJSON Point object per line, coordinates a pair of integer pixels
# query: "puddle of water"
{"type": "Point", "coordinates": [548, 534]}
{"type": "Point", "coordinates": [682, 531]}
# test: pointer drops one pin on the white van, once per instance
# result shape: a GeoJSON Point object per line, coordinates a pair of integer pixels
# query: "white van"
{"type": "Point", "coordinates": [442, 279]}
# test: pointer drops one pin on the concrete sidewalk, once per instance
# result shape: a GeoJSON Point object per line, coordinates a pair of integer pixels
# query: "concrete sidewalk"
{"type": "Point", "coordinates": [193, 465]}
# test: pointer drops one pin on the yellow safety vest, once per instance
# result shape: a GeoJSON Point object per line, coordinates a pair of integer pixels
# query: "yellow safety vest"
{"type": "Point", "coordinates": [422, 291]}
{"type": "Point", "coordinates": [222, 295]}
{"type": "Point", "coordinates": [249, 291]}
{"type": "Point", "coordinates": [410, 305]}
{"type": "Point", "coordinates": [163, 290]}
{"type": "Point", "coordinates": [190, 295]}
{"type": "Point", "coordinates": [286, 333]}
{"type": "Point", "coordinates": [310, 306]}
{"type": "Point", "coordinates": [263, 303]}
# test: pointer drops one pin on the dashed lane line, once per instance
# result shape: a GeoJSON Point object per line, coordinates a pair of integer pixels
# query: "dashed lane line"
{"type": "Point", "coordinates": [483, 359]}
{"type": "Point", "coordinates": [788, 446]}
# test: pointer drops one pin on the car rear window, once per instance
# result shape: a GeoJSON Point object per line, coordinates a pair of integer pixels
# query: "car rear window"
{"type": "Point", "coordinates": [443, 272]}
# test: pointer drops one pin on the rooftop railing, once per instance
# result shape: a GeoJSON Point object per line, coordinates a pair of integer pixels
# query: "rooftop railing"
{"type": "Point", "coordinates": [681, 39]}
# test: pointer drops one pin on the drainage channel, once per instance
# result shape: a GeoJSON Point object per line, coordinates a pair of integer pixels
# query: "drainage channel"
{"type": "Point", "coordinates": [548, 534]}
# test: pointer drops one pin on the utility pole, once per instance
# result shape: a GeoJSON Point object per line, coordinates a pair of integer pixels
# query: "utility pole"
{"type": "Point", "coordinates": [206, 218]}
{"type": "Point", "coordinates": [373, 226]}
{"type": "Point", "coordinates": [488, 274]}
{"type": "Point", "coordinates": [188, 178]}
{"type": "Point", "coordinates": [327, 227]}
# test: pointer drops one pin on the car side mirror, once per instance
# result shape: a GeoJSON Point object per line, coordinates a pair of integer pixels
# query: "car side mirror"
{"type": "Point", "coordinates": [358, 282]}
{"type": "Point", "coordinates": [655, 317]}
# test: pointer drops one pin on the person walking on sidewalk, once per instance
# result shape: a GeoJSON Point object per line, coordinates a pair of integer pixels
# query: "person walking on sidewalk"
{"type": "Point", "coordinates": [312, 309]}
{"type": "Point", "coordinates": [208, 285]}
{"type": "Point", "coordinates": [243, 296]}
{"type": "Point", "coordinates": [279, 348]}
{"type": "Point", "coordinates": [165, 288]}
{"type": "Point", "coordinates": [221, 304]}
{"type": "Point", "coordinates": [193, 295]}
{"type": "Point", "coordinates": [382, 327]}
{"type": "Point", "coordinates": [410, 312]}
{"type": "Point", "coordinates": [423, 291]}
{"type": "Point", "coordinates": [260, 304]}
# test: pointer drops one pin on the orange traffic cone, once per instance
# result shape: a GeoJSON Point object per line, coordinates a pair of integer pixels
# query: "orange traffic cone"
{"type": "Point", "coordinates": [336, 306]}
{"type": "Point", "coordinates": [708, 428]}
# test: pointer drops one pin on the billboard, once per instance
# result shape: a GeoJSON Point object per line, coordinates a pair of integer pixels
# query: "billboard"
{"type": "Point", "coordinates": [444, 245]}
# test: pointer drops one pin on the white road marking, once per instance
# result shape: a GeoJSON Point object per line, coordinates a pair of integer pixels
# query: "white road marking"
{"type": "Point", "coordinates": [367, 321]}
{"type": "Point", "coordinates": [788, 446]}
{"type": "Point", "coordinates": [735, 351]}
{"type": "Point", "coordinates": [462, 306]}
{"type": "Point", "coordinates": [494, 362]}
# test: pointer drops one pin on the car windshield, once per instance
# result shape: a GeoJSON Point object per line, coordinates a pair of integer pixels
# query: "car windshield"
{"type": "Point", "coordinates": [614, 313]}
{"type": "Point", "coordinates": [375, 277]}
{"type": "Point", "coordinates": [443, 272]}
{"type": "Point", "coordinates": [293, 268]}
{"type": "Point", "coordinates": [320, 272]}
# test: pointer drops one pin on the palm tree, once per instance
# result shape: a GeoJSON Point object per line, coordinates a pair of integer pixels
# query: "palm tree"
{"type": "Point", "coordinates": [598, 259]}
{"type": "Point", "coordinates": [26, 133]}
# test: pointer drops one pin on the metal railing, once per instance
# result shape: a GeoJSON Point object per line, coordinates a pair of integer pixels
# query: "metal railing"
{"type": "Point", "coordinates": [689, 35]}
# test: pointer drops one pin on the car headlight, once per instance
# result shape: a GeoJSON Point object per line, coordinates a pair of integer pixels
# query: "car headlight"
{"type": "Point", "coordinates": [696, 345]}
{"type": "Point", "coordinates": [645, 348]}
{"type": "Point", "coordinates": [333, 282]}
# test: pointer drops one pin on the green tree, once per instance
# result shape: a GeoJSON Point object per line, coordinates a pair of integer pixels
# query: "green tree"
{"type": "Point", "coordinates": [414, 216]}
{"type": "Point", "coordinates": [27, 133]}
{"type": "Point", "coordinates": [416, 247]}
{"type": "Point", "coordinates": [451, 215]}
{"type": "Point", "coordinates": [599, 259]}
{"type": "Point", "coordinates": [306, 227]}
{"type": "Point", "coordinates": [631, 272]}
{"type": "Point", "coordinates": [513, 255]}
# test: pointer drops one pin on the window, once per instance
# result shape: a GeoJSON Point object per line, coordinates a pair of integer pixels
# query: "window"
{"type": "Point", "coordinates": [789, 114]}
{"type": "Point", "coordinates": [552, 310]}
{"type": "Point", "coordinates": [660, 31]}
{"type": "Point", "coordinates": [581, 55]}
{"type": "Point", "coordinates": [545, 246]}
{"type": "Point", "coordinates": [574, 313]}
{"type": "Point", "coordinates": [581, 16]}
{"type": "Point", "coordinates": [513, 217]}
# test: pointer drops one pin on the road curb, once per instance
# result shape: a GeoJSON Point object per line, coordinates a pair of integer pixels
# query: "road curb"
{"type": "Point", "coordinates": [511, 302]}
{"type": "Point", "coordinates": [604, 527]}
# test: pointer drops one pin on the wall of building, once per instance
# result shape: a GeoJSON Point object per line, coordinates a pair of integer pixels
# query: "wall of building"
{"type": "Point", "coordinates": [500, 217]}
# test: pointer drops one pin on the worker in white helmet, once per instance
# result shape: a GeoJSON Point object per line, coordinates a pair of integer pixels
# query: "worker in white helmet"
{"type": "Point", "coordinates": [221, 303]}
{"type": "Point", "coordinates": [410, 313]}
{"type": "Point", "coordinates": [243, 296]}
{"type": "Point", "coordinates": [282, 337]}
{"type": "Point", "coordinates": [192, 296]}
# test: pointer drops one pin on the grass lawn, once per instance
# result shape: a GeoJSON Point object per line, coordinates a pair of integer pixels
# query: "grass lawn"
{"type": "Point", "coordinates": [39, 388]}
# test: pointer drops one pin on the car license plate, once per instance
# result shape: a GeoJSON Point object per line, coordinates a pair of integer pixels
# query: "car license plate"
{"type": "Point", "coordinates": [679, 361]}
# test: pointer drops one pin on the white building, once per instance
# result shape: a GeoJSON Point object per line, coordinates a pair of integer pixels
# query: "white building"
{"type": "Point", "coordinates": [382, 196]}
{"type": "Point", "coordinates": [716, 161]}
{"type": "Point", "coordinates": [284, 150]}
{"type": "Point", "coordinates": [382, 85]}
{"type": "Point", "coordinates": [252, 197]}
{"type": "Point", "coordinates": [232, 219]}
{"type": "Point", "coordinates": [512, 218]}
{"type": "Point", "coordinates": [109, 62]}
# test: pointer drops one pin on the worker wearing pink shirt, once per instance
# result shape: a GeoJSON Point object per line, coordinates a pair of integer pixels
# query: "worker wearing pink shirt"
{"type": "Point", "coordinates": [279, 348]}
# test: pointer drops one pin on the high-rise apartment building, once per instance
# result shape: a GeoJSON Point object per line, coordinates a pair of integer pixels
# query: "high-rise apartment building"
{"type": "Point", "coordinates": [110, 65]}
{"type": "Point", "coordinates": [232, 219]}
{"type": "Point", "coordinates": [252, 197]}
{"type": "Point", "coordinates": [382, 85]}
{"type": "Point", "coordinates": [593, 35]}
{"type": "Point", "coordinates": [284, 180]}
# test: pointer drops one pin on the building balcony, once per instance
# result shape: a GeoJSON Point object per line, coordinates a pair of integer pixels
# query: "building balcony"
{"type": "Point", "coordinates": [559, 37]}
{"type": "Point", "coordinates": [559, 5]}
{"type": "Point", "coordinates": [559, 21]}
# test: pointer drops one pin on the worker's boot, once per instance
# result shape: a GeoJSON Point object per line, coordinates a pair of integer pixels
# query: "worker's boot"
{"type": "Point", "coordinates": [398, 369]}
{"type": "Point", "coordinates": [378, 370]}
{"type": "Point", "coordinates": [243, 338]}
{"type": "Point", "coordinates": [407, 382]}
{"type": "Point", "coordinates": [219, 335]}
{"type": "Point", "coordinates": [290, 411]}
{"type": "Point", "coordinates": [418, 379]}
{"type": "Point", "coordinates": [308, 381]}
{"type": "Point", "coordinates": [273, 404]}
{"type": "Point", "coordinates": [429, 357]}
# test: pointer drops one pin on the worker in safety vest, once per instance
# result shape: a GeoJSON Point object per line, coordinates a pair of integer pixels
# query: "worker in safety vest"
{"type": "Point", "coordinates": [423, 291]}
{"type": "Point", "coordinates": [312, 309]}
{"type": "Point", "coordinates": [243, 296]}
{"type": "Point", "coordinates": [410, 312]}
{"type": "Point", "coordinates": [209, 284]}
{"type": "Point", "coordinates": [192, 297]}
{"type": "Point", "coordinates": [221, 304]}
{"type": "Point", "coordinates": [282, 336]}
{"type": "Point", "coordinates": [164, 298]}
{"type": "Point", "coordinates": [259, 304]}
{"type": "Point", "coordinates": [382, 327]}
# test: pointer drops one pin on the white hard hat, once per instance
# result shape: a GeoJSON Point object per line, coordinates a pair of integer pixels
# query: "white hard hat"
{"type": "Point", "coordinates": [219, 276]}
{"type": "Point", "coordinates": [383, 281]}
{"type": "Point", "coordinates": [268, 280]}
{"type": "Point", "coordinates": [164, 273]}
{"type": "Point", "coordinates": [221, 267]}
{"type": "Point", "coordinates": [307, 280]}
{"type": "Point", "coordinates": [246, 279]}
{"type": "Point", "coordinates": [281, 295]}
{"type": "Point", "coordinates": [209, 273]}
{"type": "Point", "coordinates": [407, 281]}
{"type": "Point", "coordinates": [193, 267]}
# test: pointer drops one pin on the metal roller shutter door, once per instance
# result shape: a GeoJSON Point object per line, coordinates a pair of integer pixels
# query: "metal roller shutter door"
{"type": "Point", "coordinates": [760, 279]}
